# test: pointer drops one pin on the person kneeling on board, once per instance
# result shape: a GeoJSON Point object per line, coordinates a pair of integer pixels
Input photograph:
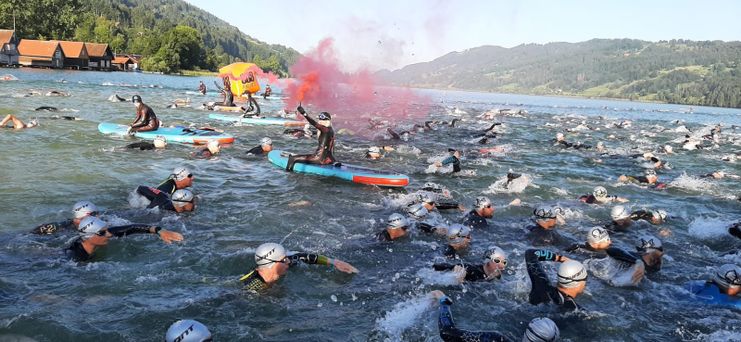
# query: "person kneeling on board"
{"type": "Point", "coordinates": [323, 154]}
{"type": "Point", "coordinates": [145, 120]}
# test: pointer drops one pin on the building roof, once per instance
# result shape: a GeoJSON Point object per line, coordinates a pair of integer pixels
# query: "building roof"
{"type": "Point", "coordinates": [5, 36]}
{"type": "Point", "coordinates": [40, 48]}
{"type": "Point", "coordinates": [72, 49]}
{"type": "Point", "coordinates": [123, 60]}
{"type": "Point", "coordinates": [97, 50]}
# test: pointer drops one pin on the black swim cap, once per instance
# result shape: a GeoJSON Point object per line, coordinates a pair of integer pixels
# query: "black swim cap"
{"type": "Point", "coordinates": [324, 116]}
{"type": "Point", "coordinates": [136, 99]}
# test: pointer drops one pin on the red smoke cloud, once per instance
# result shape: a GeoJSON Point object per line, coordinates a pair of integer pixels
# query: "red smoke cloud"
{"type": "Point", "coordinates": [352, 98]}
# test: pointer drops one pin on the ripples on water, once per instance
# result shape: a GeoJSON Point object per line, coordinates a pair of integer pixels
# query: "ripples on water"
{"type": "Point", "coordinates": [138, 286]}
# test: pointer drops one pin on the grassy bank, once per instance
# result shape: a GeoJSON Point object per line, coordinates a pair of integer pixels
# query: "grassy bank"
{"type": "Point", "coordinates": [198, 73]}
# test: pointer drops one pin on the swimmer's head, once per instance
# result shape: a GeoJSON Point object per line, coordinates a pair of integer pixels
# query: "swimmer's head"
{"type": "Point", "coordinates": [418, 211]}
{"type": "Point", "coordinates": [397, 221]}
{"type": "Point", "coordinates": [434, 187]}
{"type": "Point", "coordinates": [33, 123]}
{"type": "Point", "coordinates": [269, 254]}
{"type": "Point", "coordinates": [484, 207]}
{"type": "Point", "coordinates": [598, 238]}
{"type": "Point", "coordinates": [541, 329]}
{"type": "Point", "coordinates": [184, 199]}
{"type": "Point", "coordinates": [374, 152]}
{"type": "Point", "coordinates": [495, 260]}
{"type": "Point", "coordinates": [660, 215]}
{"type": "Point", "coordinates": [187, 330]}
{"type": "Point", "coordinates": [728, 278]}
{"type": "Point", "coordinates": [648, 156]}
{"type": "Point", "coordinates": [545, 217]}
{"type": "Point", "coordinates": [668, 149]}
{"type": "Point", "coordinates": [428, 199]}
{"type": "Point", "coordinates": [82, 209]}
{"type": "Point", "coordinates": [266, 142]}
{"type": "Point", "coordinates": [571, 274]}
{"type": "Point", "coordinates": [160, 142]}
{"type": "Point", "coordinates": [183, 177]}
{"type": "Point", "coordinates": [324, 119]}
{"type": "Point", "coordinates": [137, 100]}
{"type": "Point", "coordinates": [619, 212]}
{"type": "Point", "coordinates": [648, 243]}
{"type": "Point", "coordinates": [559, 136]}
{"type": "Point", "coordinates": [651, 174]}
{"type": "Point", "coordinates": [600, 193]}
{"type": "Point", "coordinates": [214, 147]}
{"type": "Point", "coordinates": [459, 235]}
{"type": "Point", "coordinates": [90, 226]}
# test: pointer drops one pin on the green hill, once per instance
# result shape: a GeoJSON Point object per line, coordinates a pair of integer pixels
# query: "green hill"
{"type": "Point", "coordinates": [676, 71]}
{"type": "Point", "coordinates": [171, 34]}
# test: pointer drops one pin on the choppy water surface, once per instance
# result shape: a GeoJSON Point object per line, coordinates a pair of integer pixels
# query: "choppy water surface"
{"type": "Point", "coordinates": [137, 286]}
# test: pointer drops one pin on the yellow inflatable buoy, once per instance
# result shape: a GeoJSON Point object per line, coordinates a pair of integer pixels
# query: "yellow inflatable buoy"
{"type": "Point", "coordinates": [243, 77]}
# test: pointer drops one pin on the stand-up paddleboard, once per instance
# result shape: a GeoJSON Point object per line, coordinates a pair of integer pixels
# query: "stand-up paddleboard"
{"type": "Point", "coordinates": [352, 173]}
{"type": "Point", "coordinates": [235, 109]}
{"type": "Point", "coordinates": [257, 120]}
{"type": "Point", "coordinates": [172, 134]}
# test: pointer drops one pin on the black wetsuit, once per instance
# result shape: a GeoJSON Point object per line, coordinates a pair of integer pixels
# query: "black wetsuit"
{"type": "Point", "coordinates": [566, 144]}
{"type": "Point", "coordinates": [539, 236]}
{"type": "Point", "coordinates": [168, 186]}
{"type": "Point", "coordinates": [142, 145]}
{"type": "Point", "coordinates": [323, 154]}
{"type": "Point", "coordinates": [446, 205]}
{"type": "Point", "coordinates": [590, 199]}
{"type": "Point", "coordinates": [157, 198]}
{"type": "Point", "coordinates": [228, 99]}
{"type": "Point", "coordinates": [47, 108]}
{"type": "Point", "coordinates": [51, 228]}
{"type": "Point", "coordinates": [624, 256]}
{"type": "Point", "coordinates": [203, 153]}
{"type": "Point", "coordinates": [642, 215]}
{"type": "Point", "coordinates": [202, 89]}
{"type": "Point", "coordinates": [475, 221]}
{"type": "Point", "coordinates": [586, 249]}
{"type": "Point", "coordinates": [735, 230]}
{"type": "Point", "coordinates": [473, 272]}
{"type": "Point", "coordinates": [256, 151]}
{"type": "Point", "coordinates": [449, 332]}
{"type": "Point", "coordinates": [254, 282]}
{"type": "Point", "coordinates": [77, 252]}
{"type": "Point", "coordinates": [145, 120]}
{"type": "Point", "coordinates": [453, 160]}
{"type": "Point", "coordinates": [542, 291]}
{"type": "Point", "coordinates": [451, 253]}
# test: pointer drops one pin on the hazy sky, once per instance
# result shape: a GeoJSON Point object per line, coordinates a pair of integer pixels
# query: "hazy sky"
{"type": "Point", "coordinates": [394, 33]}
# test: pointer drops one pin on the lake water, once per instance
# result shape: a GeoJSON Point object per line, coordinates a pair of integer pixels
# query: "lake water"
{"type": "Point", "coordinates": [137, 286]}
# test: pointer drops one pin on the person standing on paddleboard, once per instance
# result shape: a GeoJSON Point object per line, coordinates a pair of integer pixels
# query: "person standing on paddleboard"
{"type": "Point", "coordinates": [323, 154]}
{"type": "Point", "coordinates": [202, 88]}
{"type": "Point", "coordinates": [145, 120]}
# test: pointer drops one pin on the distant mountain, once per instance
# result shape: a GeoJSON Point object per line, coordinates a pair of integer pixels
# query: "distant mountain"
{"type": "Point", "coordinates": [147, 27]}
{"type": "Point", "coordinates": [676, 71]}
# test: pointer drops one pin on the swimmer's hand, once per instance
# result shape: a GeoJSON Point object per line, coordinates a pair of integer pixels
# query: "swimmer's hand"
{"type": "Point", "coordinates": [437, 294]}
{"type": "Point", "coordinates": [438, 164]}
{"type": "Point", "coordinates": [622, 179]}
{"type": "Point", "coordinates": [344, 267]}
{"type": "Point", "coordinates": [515, 202]}
{"type": "Point", "coordinates": [562, 258]}
{"type": "Point", "coordinates": [301, 110]}
{"type": "Point", "coordinates": [460, 273]}
{"type": "Point", "coordinates": [168, 236]}
{"type": "Point", "coordinates": [638, 274]}
{"type": "Point", "coordinates": [622, 200]}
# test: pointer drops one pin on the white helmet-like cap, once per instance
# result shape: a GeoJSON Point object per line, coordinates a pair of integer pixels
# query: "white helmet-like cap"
{"type": "Point", "coordinates": [214, 146]}
{"type": "Point", "coordinates": [541, 329]}
{"type": "Point", "coordinates": [187, 330]}
{"type": "Point", "coordinates": [182, 196]}
{"type": "Point", "coordinates": [571, 273]}
{"type": "Point", "coordinates": [266, 141]}
{"type": "Point", "coordinates": [648, 242]}
{"type": "Point", "coordinates": [83, 208]}
{"type": "Point", "coordinates": [427, 197]}
{"type": "Point", "coordinates": [397, 221]}
{"type": "Point", "coordinates": [180, 173]}
{"type": "Point", "coordinates": [458, 232]}
{"type": "Point", "coordinates": [727, 275]}
{"type": "Point", "coordinates": [374, 149]}
{"type": "Point", "coordinates": [597, 235]}
{"type": "Point", "coordinates": [599, 192]}
{"type": "Point", "coordinates": [160, 141]}
{"type": "Point", "coordinates": [496, 254]}
{"type": "Point", "coordinates": [269, 253]}
{"type": "Point", "coordinates": [482, 202]}
{"type": "Point", "coordinates": [559, 135]}
{"type": "Point", "coordinates": [619, 212]}
{"type": "Point", "coordinates": [90, 226]}
{"type": "Point", "coordinates": [668, 149]}
{"type": "Point", "coordinates": [418, 211]}
{"type": "Point", "coordinates": [662, 214]}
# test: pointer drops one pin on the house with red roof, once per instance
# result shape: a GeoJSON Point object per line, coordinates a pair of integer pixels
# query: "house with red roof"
{"type": "Point", "coordinates": [75, 54]}
{"type": "Point", "coordinates": [8, 47]}
{"type": "Point", "coordinates": [39, 53]}
{"type": "Point", "coordinates": [100, 56]}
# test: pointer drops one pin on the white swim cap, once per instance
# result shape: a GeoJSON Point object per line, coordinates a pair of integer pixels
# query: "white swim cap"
{"type": "Point", "coordinates": [427, 197]}
{"type": "Point", "coordinates": [647, 242]}
{"type": "Point", "coordinates": [182, 195]}
{"type": "Point", "coordinates": [374, 149]}
{"type": "Point", "coordinates": [418, 211]}
{"type": "Point", "coordinates": [181, 173]}
{"type": "Point", "coordinates": [599, 192]}
{"type": "Point", "coordinates": [727, 275]}
{"type": "Point", "coordinates": [482, 202]}
{"type": "Point", "coordinates": [187, 330]}
{"type": "Point", "coordinates": [597, 235]}
{"type": "Point", "coordinates": [266, 141]}
{"type": "Point", "coordinates": [541, 329]}
{"type": "Point", "coordinates": [397, 221]}
{"type": "Point", "coordinates": [90, 226]}
{"type": "Point", "coordinates": [457, 233]}
{"type": "Point", "coordinates": [571, 273]}
{"type": "Point", "coordinates": [269, 253]}
{"type": "Point", "coordinates": [83, 208]}
{"type": "Point", "coordinates": [619, 212]}
{"type": "Point", "coordinates": [496, 255]}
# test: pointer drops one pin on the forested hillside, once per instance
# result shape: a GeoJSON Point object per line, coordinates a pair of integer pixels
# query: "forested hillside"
{"type": "Point", "coordinates": [171, 34]}
{"type": "Point", "coordinates": [676, 71]}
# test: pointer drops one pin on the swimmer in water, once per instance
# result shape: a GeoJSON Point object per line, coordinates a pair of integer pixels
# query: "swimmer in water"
{"type": "Point", "coordinates": [396, 228]}
{"type": "Point", "coordinates": [561, 141]}
{"type": "Point", "coordinates": [213, 148]}
{"type": "Point", "coordinates": [719, 175]}
{"type": "Point", "coordinates": [273, 262]}
{"type": "Point", "coordinates": [572, 279]}
{"type": "Point", "coordinates": [541, 329]}
{"type": "Point", "coordinates": [651, 251]}
{"type": "Point", "coordinates": [116, 98]}
{"type": "Point", "coordinates": [188, 330]}
{"type": "Point", "coordinates": [618, 265]}
{"type": "Point", "coordinates": [373, 153]}
{"type": "Point", "coordinates": [621, 220]}
{"type": "Point", "coordinates": [723, 286]}
{"type": "Point", "coordinates": [180, 178]}
{"type": "Point", "coordinates": [454, 159]}
{"type": "Point", "coordinates": [650, 179]}
{"type": "Point", "coordinates": [476, 218]}
{"type": "Point", "coordinates": [95, 233]}
{"type": "Point", "coordinates": [307, 132]}
{"type": "Point", "coordinates": [324, 152]}
{"type": "Point", "coordinates": [495, 260]}
{"type": "Point", "coordinates": [654, 217]}
{"type": "Point", "coordinates": [599, 196]}
{"type": "Point", "coordinates": [735, 229]}
{"type": "Point", "coordinates": [145, 120]}
{"type": "Point", "coordinates": [598, 240]}
{"type": "Point", "coordinates": [266, 145]}
{"type": "Point", "coordinates": [80, 210]}
{"type": "Point", "coordinates": [17, 124]}
{"type": "Point", "coordinates": [180, 201]}
{"type": "Point", "coordinates": [459, 238]}
{"type": "Point", "coordinates": [543, 232]}
{"type": "Point", "coordinates": [202, 88]}
{"type": "Point", "coordinates": [159, 142]}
